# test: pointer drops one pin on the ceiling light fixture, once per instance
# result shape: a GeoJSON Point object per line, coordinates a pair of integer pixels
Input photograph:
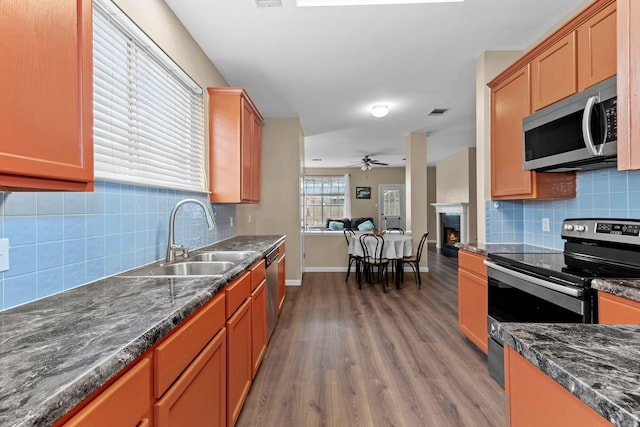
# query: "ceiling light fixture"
{"type": "Point", "coordinates": [366, 167]}
{"type": "Point", "coordinates": [379, 110]}
{"type": "Point", "coordinates": [303, 3]}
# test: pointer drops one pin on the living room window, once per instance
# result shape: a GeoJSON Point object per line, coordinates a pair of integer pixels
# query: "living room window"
{"type": "Point", "coordinates": [323, 198]}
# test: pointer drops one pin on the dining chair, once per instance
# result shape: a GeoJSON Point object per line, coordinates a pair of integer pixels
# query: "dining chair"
{"type": "Point", "coordinates": [396, 230]}
{"type": "Point", "coordinates": [414, 260]}
{"type": "Point", "coordinates": [373, 249]}
{"type": "Point", "coordinates": [353, 259]}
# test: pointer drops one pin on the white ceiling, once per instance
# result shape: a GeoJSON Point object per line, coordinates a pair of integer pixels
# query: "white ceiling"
{"type": "Point", "coordinates": [328, 65]}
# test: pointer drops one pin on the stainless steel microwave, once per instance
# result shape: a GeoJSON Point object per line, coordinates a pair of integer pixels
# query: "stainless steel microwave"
{"type": "Point", "coordinates": [577, 133]}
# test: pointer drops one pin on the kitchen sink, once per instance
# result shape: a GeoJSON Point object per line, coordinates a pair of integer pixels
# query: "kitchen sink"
{"type": "Point", "coordinates": [188, 268]}
{"type": "Point", "coordinates": [232, 256]}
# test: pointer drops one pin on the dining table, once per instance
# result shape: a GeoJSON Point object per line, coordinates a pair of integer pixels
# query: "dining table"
{"type": "Point", "coordinates": [396, 246]}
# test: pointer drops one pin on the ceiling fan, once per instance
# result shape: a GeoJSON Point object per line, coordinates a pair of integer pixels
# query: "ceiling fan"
{"type": "Point", "coordinates": [367, 163]}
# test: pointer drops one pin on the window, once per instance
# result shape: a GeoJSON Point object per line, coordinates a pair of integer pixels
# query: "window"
{"type": "Point", "coordinates": [148, 114]}
{"type": "Point", "coordinates": [324, 197]}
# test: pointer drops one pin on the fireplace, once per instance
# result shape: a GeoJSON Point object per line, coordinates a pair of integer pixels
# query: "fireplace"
{"type": "Point", "coordinates": [451, 227]}
{"type": "Point", "coordinates": [450, 234]}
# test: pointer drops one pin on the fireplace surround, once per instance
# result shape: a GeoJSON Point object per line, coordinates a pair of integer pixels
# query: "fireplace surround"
{"type": "Point", "coordinates": [445, 213]}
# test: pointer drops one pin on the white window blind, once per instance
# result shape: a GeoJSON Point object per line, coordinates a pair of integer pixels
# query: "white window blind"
{"type": "Point", "coordinates": [148, 114]}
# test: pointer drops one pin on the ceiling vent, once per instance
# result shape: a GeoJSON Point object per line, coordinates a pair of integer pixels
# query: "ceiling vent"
{"type": "Point", "coordinates": [269, 3]}
{"type": "Point", "coordinates": [437, 112]}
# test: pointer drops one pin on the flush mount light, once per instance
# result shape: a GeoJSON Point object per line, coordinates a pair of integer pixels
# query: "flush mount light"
{"type": "Point", "coordinates": [379, 110]}
{"type": "Point", "coordinates": [303, 3]}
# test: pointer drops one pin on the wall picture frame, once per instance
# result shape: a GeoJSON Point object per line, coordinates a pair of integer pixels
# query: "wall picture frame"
{"type": "Point", "coordinates": [363, 192]}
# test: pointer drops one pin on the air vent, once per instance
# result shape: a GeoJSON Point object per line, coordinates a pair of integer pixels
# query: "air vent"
{"type": "Point", "coordinates": [269, 3]}
{"type": "Point", "coordinates": [437, 112]}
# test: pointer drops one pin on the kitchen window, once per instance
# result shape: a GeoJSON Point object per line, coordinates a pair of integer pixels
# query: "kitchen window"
{"type": "Point", "coordinates": [148, 113]}
{"type": "Point", "coordinates": [324, 197]}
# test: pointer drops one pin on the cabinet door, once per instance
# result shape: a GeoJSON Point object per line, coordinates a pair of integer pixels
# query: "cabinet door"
{"type": "Point", "coordinates": [614, 310]}
{"type": "Point", "coordinates": [553, 73]}
{"type": "Point", "coordinates": [597, 48]}
{"type": "Point", "coordinates": [533, 399]}
{"type": "Point", "coordinates": [197, 398]}
{"type": "Point", "coordinates": [628, 80]}
{"type": "Point", "coordinates": [509, 104]}
{"type": "Point", "coordinates": [46, 106]}
{"type": "Point", "coordinates": [281, 282]}
{"type": "Point", "coordinates": [238, 361]}
{"type": "Point", "coordinates": [472, 308]}
{"type": "Point", "coordinates": [258, 326]}
{"type": "Point", "coordinates": [127, 402]}
{"type": "Point", "coordinates": [257, 157]}
{"type": "Point", "coordinates": [246, 151]}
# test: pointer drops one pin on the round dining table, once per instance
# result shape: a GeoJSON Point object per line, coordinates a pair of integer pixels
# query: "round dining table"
{"type": "Point", "coordinates": [396, 246]}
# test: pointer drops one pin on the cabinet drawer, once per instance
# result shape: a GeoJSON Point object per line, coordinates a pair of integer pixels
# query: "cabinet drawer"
{"type": "Point", "coordinates": [127, 402]}
{"type": "Point", "coordinates": [257, 275]}
{"type": "Point", "coordinates": [472, 262]}
{"type": "Point", "coordinates": [281, 250]}
{"type": "Point", "coordinates": [238, 291]}
{"type": "Point", "coordinates": [173, 355]}
{"type": "Point", "coordinates": [613, 310]}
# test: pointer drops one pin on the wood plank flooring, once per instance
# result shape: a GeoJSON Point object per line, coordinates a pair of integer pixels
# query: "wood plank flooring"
{"type": "Point", "coordinates": [341, 356]}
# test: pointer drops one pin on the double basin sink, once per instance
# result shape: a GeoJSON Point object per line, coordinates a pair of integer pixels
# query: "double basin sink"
{"type": "Point", "coordinates": [205, 263]}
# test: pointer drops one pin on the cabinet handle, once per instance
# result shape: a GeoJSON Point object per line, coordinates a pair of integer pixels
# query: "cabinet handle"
{"type": "Point", "coordinates": [144, 423]}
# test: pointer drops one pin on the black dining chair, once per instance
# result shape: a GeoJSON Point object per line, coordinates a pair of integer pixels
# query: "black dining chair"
{"type": "Point", "coordinates": [372, 248]}
{"type": "Point", "coordinates": [414, 260]}
{"type": "Point", "coordinates": [356, 260]}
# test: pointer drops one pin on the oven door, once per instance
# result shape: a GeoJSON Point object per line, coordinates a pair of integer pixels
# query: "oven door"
{"type": "Point", "coordinates": [519, 296]}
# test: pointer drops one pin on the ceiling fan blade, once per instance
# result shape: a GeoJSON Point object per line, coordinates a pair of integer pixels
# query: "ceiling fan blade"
{"type": "Point", "coordinates": [376, 162]}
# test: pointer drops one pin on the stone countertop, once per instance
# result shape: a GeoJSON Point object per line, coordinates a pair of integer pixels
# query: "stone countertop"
{"type": "Point", "coordinates": [599, 364]}
{"type": "Point", "coordinates": [56, 351]}
{"type": "Point", "coordinates": [503, 248]}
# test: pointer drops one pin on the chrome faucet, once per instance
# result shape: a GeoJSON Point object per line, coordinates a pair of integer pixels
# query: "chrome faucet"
{"type": "Point", "coordinates": [172, 249]}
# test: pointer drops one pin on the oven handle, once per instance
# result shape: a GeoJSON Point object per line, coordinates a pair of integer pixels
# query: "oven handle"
{"type": "Point", "coordinates": [545, 284]}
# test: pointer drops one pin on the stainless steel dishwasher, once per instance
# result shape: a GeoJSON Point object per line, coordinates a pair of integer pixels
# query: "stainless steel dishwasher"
{"type": "Point", "coordinates": [272, 291]}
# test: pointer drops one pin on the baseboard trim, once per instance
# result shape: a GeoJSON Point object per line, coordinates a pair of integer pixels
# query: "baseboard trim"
{"type": "Point", "coordinates": [293, 282]}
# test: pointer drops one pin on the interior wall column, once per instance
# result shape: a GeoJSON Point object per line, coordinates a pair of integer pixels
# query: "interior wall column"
{"type": "Point", "coordinates": [416, 188]}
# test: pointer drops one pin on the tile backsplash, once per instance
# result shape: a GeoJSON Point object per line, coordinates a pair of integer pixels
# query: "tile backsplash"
{"type": "Point", "coordinates": [606, 193]}
{"type": "Point", "coordinates": [61, 240]}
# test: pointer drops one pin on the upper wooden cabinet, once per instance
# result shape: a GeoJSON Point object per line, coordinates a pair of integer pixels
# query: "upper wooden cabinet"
{"type": "Point", "coordinates": [46, 104]}
{"type": "Point", "coordinates": [235, 146]}
{"type": "Point", "coordinates": [510, 103]}
{"type": "Point", "coordinates": [597, 48]}
{"type": "Point", "coordinates": [554, 73]}
{"type": "Point", "coordinates": [628, 38]}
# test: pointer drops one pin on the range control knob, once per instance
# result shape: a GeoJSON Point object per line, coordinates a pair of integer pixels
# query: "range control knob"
{"type": "Point", "coordinates": [580, 228]}
{"type": "Point", "coordinates": [568, 227]}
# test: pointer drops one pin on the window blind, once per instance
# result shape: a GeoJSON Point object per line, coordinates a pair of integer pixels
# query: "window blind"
{"type": "Point", "coordinates": [148, 114]}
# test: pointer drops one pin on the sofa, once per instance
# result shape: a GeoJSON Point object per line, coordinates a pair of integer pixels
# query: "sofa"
{"type": "Point", "coordinates": [348, 223]}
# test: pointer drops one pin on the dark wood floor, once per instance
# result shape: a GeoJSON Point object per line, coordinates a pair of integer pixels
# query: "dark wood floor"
{"type": "Point", "coordinates": [347, 357]}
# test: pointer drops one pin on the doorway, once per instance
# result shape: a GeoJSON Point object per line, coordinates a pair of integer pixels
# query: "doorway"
{"type": "Point", "coordinates": [392, 206]}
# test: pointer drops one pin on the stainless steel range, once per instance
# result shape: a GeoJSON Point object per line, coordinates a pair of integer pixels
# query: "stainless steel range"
{"type": "Point", "coordinates": [542, 286]}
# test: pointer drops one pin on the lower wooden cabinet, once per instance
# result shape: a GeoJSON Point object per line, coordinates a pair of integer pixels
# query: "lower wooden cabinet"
{"type": "Point", "coordinates": [613, 310]}
{"type": "Point", "coordinates": [258, 326]}
{"type": "Point", "coordinates": [282, 289]}
{"type": "Point", "coordinates": [197, 398]}
{"type": "Point", "coordinates": [127, 402]}
{"type": "Point", "coordinates": [533, 399]}
{"type": "Point", "coordinates": [473, 298]}
{"type": "Point", "coordinates": [239, 366]}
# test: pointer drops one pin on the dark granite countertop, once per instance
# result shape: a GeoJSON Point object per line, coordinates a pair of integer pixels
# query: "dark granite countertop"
{"type": "Point", "coordinates": [599, 364]}
{"type": "Point", "coordinates": [56, 351]}
{"type": "Point", "coordinates": [503, 248]}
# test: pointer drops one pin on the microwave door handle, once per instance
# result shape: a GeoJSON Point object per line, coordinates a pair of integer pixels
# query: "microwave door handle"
{"type": "Point", "coordinates": [586, 127]}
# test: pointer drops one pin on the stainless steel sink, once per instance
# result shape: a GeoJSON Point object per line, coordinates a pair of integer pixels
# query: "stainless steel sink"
{"type": "Point", "coordinates": [232, 256]}
{"type": "Point", "coordinates": [217, 268]}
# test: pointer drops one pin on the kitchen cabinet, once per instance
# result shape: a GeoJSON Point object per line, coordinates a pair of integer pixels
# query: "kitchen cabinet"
{"type": "Point", "coordinates": [126, 402]}
{"type": "Point", "coordinates": [239, 366]}
{"type": "Point", "coordinates": [510, 103]}
{"type": "Point", "coordinates": [597, 48]}
{"type": "Point", "coordinates": [628, 80]}
{"type": "Point", "coordinates": [46, 137]}
{"type": "Point", "coordinates": [533, 399]}
{"type": "Point", "coordinates": [234, 146]}
{"type": "Point", "coordinates": [258, 316]}
{"type": "Point", "coordinates": [282, 289]}
{"type": "Point", "coordinates": [553, 72]}
{"type": "Point", "coordinates": [613, 309]}
{"type": "Point", "coordinates": [197, 398]}
{"type": "Point", "coordinates": [473, 298]}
